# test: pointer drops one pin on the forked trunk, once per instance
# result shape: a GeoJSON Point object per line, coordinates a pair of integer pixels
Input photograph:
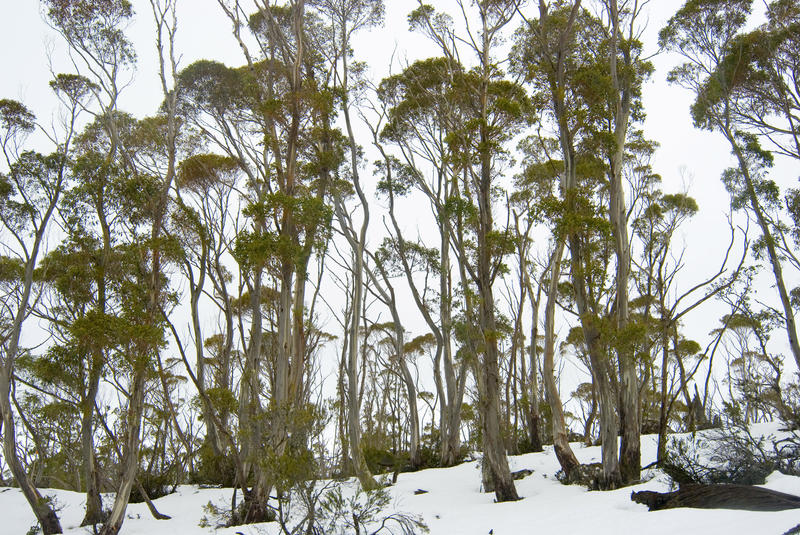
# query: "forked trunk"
{"type": "Point", "coordinates": [130, 461]}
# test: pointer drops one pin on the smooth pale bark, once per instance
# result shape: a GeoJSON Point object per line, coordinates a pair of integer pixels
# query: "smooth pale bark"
{"type": "Point", "coordinates": [454, 382]}
{"type": "Point", "coordinates": [564, 454]}
{"type": "Point", "coordinates": [250, 410]}
{"type": "Point", "coordinates": [130, 460]}
{"type": "Point", "coordinates": [601, 370]}
{"type": "Point", "coordinates": [533, 414]}
{"type": "Point", "coordinates": [599, 362]}
{"type": "Point", "coordinates": [289, 182]}
{"type": "Point", "coordinates": [94, 503]}
{"type": "Point", "coordinates": [494, 453]}
{"type": "Point", "coordinates": [533, 417]}
{"type": "Point", "coordinates": [359, 464]}
{"type": "Point", "coordinates": [630, 451]}
{"type": "Point", "coordinates": [489, 373]}
{"type": "Point", "coordinates": [45, 514]}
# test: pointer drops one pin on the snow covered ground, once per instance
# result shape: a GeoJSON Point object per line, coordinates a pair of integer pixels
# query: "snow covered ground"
{"type": "Point", "coordinates": [454, 505]}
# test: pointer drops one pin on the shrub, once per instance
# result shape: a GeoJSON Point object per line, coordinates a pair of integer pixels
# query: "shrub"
{"type": "Point", "coordinates": [731, 455]}
{"type": "Point", "coordinates": [213, 469]}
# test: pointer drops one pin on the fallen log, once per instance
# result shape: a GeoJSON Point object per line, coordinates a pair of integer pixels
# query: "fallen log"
{"type": "Point", "coordinates": [744, 497]}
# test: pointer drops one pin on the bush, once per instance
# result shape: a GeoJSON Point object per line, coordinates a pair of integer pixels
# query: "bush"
{"type": "Point", "coordinates": [731, 455]}
{"type": "Point", "coordinates": [213, 469]}
{"type": "Point", "coordinates": [156, 485]}
{"type": "Point", "coordinates": [363, 512]}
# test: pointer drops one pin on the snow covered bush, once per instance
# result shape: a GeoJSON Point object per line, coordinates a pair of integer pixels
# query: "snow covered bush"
{"type": "Point", "coordinates": [732, 454]}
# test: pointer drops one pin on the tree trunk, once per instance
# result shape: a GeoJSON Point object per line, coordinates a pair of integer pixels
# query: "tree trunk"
{"type": "Point", "coordinates": [360, 467]}
{"type": "Point", "coordinates": [533, 413]}
{"type": "Point", "coordinates": [600, 370]}
{"type": "Point", "coordinates": [564, 454]}
{"type": "Point", "coordinates": [94, 503]}
{"type": "Point", "coordinates": [413, 414]}
{"type": "Point", "coordinates": [630, 455]}
{"type": "Point", "coordinates": [130, 460]}
{"type": "Point", "coordinates": [44, 512]}
{"type": "Point", "coordinates": [741, 497]}
{"type": "Point", "coordinates": [790, 324]}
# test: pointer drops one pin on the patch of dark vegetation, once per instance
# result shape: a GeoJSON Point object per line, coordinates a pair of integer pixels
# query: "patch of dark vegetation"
{"type": "Point", "coordinates": [155, 485]}
{"type": "Point", "coordinates": [731, 455]}
{"type": "Point", "coordinates": [212, 469]}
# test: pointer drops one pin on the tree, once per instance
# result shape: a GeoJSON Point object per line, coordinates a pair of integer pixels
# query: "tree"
{"type": "Point", "coordinates": [723, 85]}
{"type": "Point", "coordinates": [551, 52]}
{"type": "Point", "coordinates": [495, 109]}
{"type": "Point", "coordinates": [346, 18]}
{"type": "Point", "coordinates": [31, 189]}
{"type": "Point", "coordinates": [421, 111]}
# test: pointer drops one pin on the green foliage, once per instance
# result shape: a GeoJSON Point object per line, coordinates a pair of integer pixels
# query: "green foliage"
{"type": "Point", "coordinates": [212, 86]}
{"type": "Point", "coordinates": [214, 469]}
{"type": "Point", "coordinates": [95, 26]}
{"type": "Point", "coordinates": [11, 269]}
{"type": "Point", "coordinates": [74, 88]}
{"type": "Point", "coordinates": [32, 183]}
{"type": "Point", "coordinates": [15, 119]}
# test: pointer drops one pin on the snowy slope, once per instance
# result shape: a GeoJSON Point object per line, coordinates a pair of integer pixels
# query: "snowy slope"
{"type": "Point", "coordinates": [455, 505]}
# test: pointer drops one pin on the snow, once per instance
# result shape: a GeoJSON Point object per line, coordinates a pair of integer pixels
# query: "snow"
{"type": "Point", "coordinates": [454, 504]}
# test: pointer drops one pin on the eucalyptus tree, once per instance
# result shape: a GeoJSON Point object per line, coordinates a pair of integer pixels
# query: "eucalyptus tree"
{"type": "Point", "coordinates": [495, 109]}
{"type": "Point", "coordinates": [151, 150]}
{"type": "Point", "coordinates": [272, 117]}
{"type": "Point", "coordinates": [84, 309]}
{"type": "Point", "coordinates": [627, 69]}
{"type": "Point", "coordinates": [98, 49]}
{"type": "Point", "coordinates": [526, 218]}
{"type": "Point", "coordinates": [729, 71]}
{"type": "Point", "coordinates": [31, 188]}
{"type": "Point", "coordinates": [536, 184]}
{"type": "Point", "coordinates": [552, 51]}
{"type": "Point", "coordinates": [759, 68]}
{"type": "Point", "coordinates": [204, 217]}
{"type": "Point", "coordinates": [382, 286]}
{"type": "Point", "coordinates": [345, 18]}
{"type": "Point", "coordinates": [421, 110]}
{"type": "Point", "coordinates": [221, 102]}
{"type": "Point", "coordinates": [654, 276]}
